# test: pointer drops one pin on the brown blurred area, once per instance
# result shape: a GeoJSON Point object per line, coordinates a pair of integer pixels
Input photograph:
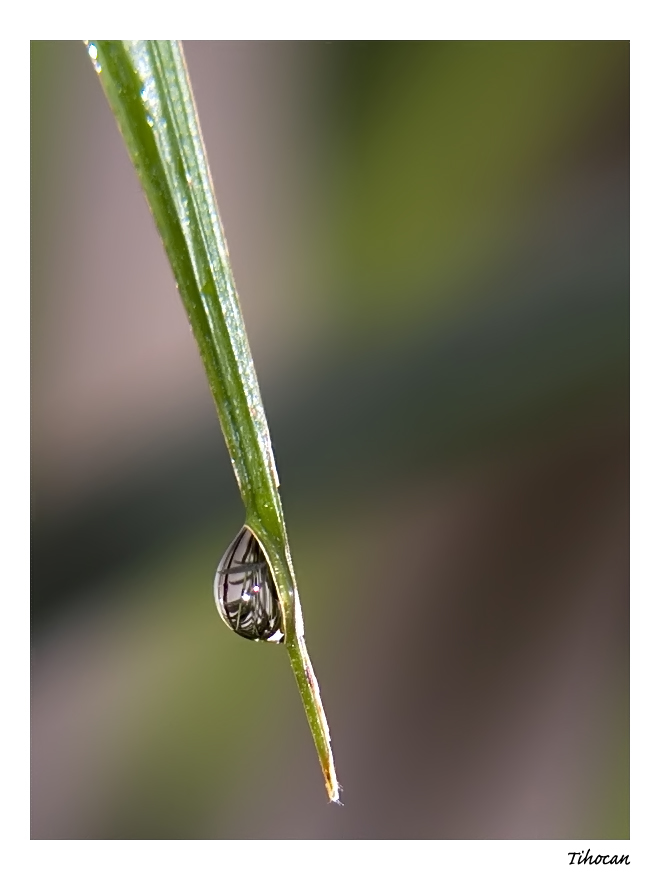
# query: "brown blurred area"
{"type": "Point", "coordinates": [430, 242]}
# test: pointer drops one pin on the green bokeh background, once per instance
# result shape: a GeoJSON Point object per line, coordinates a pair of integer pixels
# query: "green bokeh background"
{"type": "Point", "coordinates": [430, 242]}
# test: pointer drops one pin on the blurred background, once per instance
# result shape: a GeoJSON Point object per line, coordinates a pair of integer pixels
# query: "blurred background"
{"type": "Point", "coordinates": [430, 242]}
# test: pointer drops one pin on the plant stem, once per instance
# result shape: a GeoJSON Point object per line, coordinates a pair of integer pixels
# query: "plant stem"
{"type": "Point", "coordinates": [147, 86]}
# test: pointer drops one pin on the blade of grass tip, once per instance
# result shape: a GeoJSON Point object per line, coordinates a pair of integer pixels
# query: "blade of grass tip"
{"type": "Point", "coordinates": [147, 86]}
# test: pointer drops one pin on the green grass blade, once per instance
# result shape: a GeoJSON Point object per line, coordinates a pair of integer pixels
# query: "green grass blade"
{"type": "Point", "coordinates": [147, 86]}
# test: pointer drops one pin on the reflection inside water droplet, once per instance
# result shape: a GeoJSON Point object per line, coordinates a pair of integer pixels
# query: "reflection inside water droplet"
{"type": "Point", "coordinates": [245, 592]}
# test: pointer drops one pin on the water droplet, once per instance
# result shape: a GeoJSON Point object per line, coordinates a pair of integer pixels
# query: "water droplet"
{"type": "Point", "coordinates": [245, 592]}
{"type": "Point", "coordinates": [92, 51]}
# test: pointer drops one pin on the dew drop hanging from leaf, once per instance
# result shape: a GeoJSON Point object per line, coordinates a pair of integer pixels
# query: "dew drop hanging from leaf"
{"type": "Point", "coordinates": [245, 593]}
